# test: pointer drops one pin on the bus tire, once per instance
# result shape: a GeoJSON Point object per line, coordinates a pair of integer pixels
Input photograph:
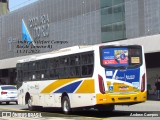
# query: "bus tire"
{"type": "Point", "coordinates": [29, 103]}
{"type": "Point", "coordinates": [66, 108]}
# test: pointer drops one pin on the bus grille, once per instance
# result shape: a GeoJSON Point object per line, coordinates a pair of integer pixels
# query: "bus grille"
{"type": "Point", "coordinates": [124, 98]}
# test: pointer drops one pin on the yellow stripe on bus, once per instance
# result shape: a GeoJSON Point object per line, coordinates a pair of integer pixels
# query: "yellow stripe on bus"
{"type": "Point", "coordinates": [86, 87]}
{"type": "Point", "coordinates": [121, 87]}
{"type": "Point", "coordinates": [57, 84]}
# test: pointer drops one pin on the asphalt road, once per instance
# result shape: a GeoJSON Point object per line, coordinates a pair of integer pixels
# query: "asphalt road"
{"type": "Point", "coordinates": [143, 111]}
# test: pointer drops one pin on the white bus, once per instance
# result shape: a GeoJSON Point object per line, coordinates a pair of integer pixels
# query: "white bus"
{"type": "Point", "coordinates": [99, 76]}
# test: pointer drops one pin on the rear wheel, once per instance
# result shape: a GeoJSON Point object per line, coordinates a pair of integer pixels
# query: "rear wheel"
{"type": "Point", "coordinates": [66, 105]}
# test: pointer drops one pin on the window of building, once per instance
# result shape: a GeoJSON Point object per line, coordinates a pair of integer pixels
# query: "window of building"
{"type": "Point", "coordinates": [112, 20]}
{"type": "Point", "coordinates": [106, 3]}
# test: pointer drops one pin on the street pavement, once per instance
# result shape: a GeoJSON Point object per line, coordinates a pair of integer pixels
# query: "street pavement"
{"type": "Point", "coordinates": [150, 110]}
{"type": "Point", "coordinates": [147, 106]}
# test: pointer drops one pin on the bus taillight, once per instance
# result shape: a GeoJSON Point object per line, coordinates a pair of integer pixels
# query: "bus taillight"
{"type": "Point", "coordinates": [101, 84]}
{"type": "Point", "coordinates": [143, 83]}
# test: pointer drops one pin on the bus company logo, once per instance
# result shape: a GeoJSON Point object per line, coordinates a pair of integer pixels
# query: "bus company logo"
{"type": "Point", "coordinates": [26, 36]}
{"type": "Point", "coordinates": [130, 77]}
{"type": "Point", "coordinates": [123, 87]}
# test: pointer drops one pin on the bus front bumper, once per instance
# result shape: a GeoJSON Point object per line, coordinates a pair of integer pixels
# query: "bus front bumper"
{"type": "Point", "coordinates": [121, 98]}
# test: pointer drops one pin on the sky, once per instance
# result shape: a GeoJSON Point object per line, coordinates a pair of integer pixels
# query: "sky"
{"type": "Point", "coordinates": [15, 4]}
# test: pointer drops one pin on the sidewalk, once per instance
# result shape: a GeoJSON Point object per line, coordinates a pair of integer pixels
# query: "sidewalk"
{"type": "Point", "coordinates": [149, 105]}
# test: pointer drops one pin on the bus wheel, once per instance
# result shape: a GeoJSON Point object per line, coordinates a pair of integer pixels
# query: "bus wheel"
{"type": "Point", "coordinates": [30, 106]}
{"type": "Point", "coordinates": [66, 105]}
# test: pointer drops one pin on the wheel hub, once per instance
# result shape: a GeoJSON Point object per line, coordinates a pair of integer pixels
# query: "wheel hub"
{"type": "Point", "coordinates": [66, 106]}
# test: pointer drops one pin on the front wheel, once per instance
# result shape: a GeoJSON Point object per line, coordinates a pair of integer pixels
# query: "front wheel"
{"type": "Point", "coordinates": [66, 105]}
{"type": "Point", "coordinates": [30, 106]}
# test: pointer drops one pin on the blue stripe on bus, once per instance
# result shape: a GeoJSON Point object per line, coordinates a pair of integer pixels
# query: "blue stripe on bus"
{"type": "Point", "coordinates": [69, 88]}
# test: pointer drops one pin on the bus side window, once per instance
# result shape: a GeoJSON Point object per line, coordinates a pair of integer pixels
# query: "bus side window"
{"type": "Point", "coordinates": [91, 58]}
{"type": "Point", "coordinates": [53, 74]}
{"type": "Point", "coordinates": [38, 65]}
{"type": "Point", "coordinates": [34, 66]}
{"type": "Point", "coordinates": [62, 69]}
{"type": "Point", "coordinates": [87, 62]}
{"type": "Point", "coordinates": [74, 68]}
{"type": "Point", "coordinates": [19, 72]}
{"type": "Point", "coordinates": [87, 70]}
{"type": "Point", "coordinates": [43, 65]}
{"type": "Point", "coordinates": [25, 71]}
{"type": "Point", "coordinates": [53, 66]}
{"type": "Point", "coordinates": [44, 69]}
{"type": "Point", "coordinates": [33, 77]}
{"type": "Point", "coordinates": [45, 74]}
{"type": "Point", "coordinates": [74, 71]}
{"type": "Point", "coordinates": [25, 74]}
{"type": "Point", "coordinates": [63, 61]}
{"type": "Point", "coordinates": [38, 74]}
{"type": "Point", "coordinates": [19, 75]}
{"type": "Point", "coordinates": [87, 58]}
{"type": "Point", "coordinates": [30, 76]}
{"type": "Point", "coordinates": [53, 63]}
{"type": "Point", "coordinates": [31, 66]}
{"type": "Point", "coordinates": [25, 66]}
{"type": "Point", "coordinates": [74, 60]}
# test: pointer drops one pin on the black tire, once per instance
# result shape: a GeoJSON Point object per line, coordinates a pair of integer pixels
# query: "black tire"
{"type": "Point", "coordinates": [29, 104]}
{"type": "Point", "coordinates": [7, 103]}
{"type": "Point", "coordinates": [66, 108]}
{"type": "Point", "coordinates": [17, 102]}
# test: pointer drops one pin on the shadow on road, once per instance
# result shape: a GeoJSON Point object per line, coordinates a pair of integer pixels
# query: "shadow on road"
{"type": "Point", "coordinates": [55, 112]}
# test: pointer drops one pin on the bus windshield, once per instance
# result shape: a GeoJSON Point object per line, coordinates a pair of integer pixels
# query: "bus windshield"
{"type": "Point", "coordinates": [121, 56]}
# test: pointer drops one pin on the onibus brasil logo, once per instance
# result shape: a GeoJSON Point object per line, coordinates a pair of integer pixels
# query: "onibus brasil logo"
{"type": "Point", "coordinates": [26, 36]}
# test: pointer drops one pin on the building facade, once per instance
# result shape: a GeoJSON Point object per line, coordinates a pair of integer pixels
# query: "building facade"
{"type": "Point", "coordinates": [3, 7]}
{"type": "Point", "coordinates": [58, 23]}
{"type": "Point", "coordinates": [55, 24]}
